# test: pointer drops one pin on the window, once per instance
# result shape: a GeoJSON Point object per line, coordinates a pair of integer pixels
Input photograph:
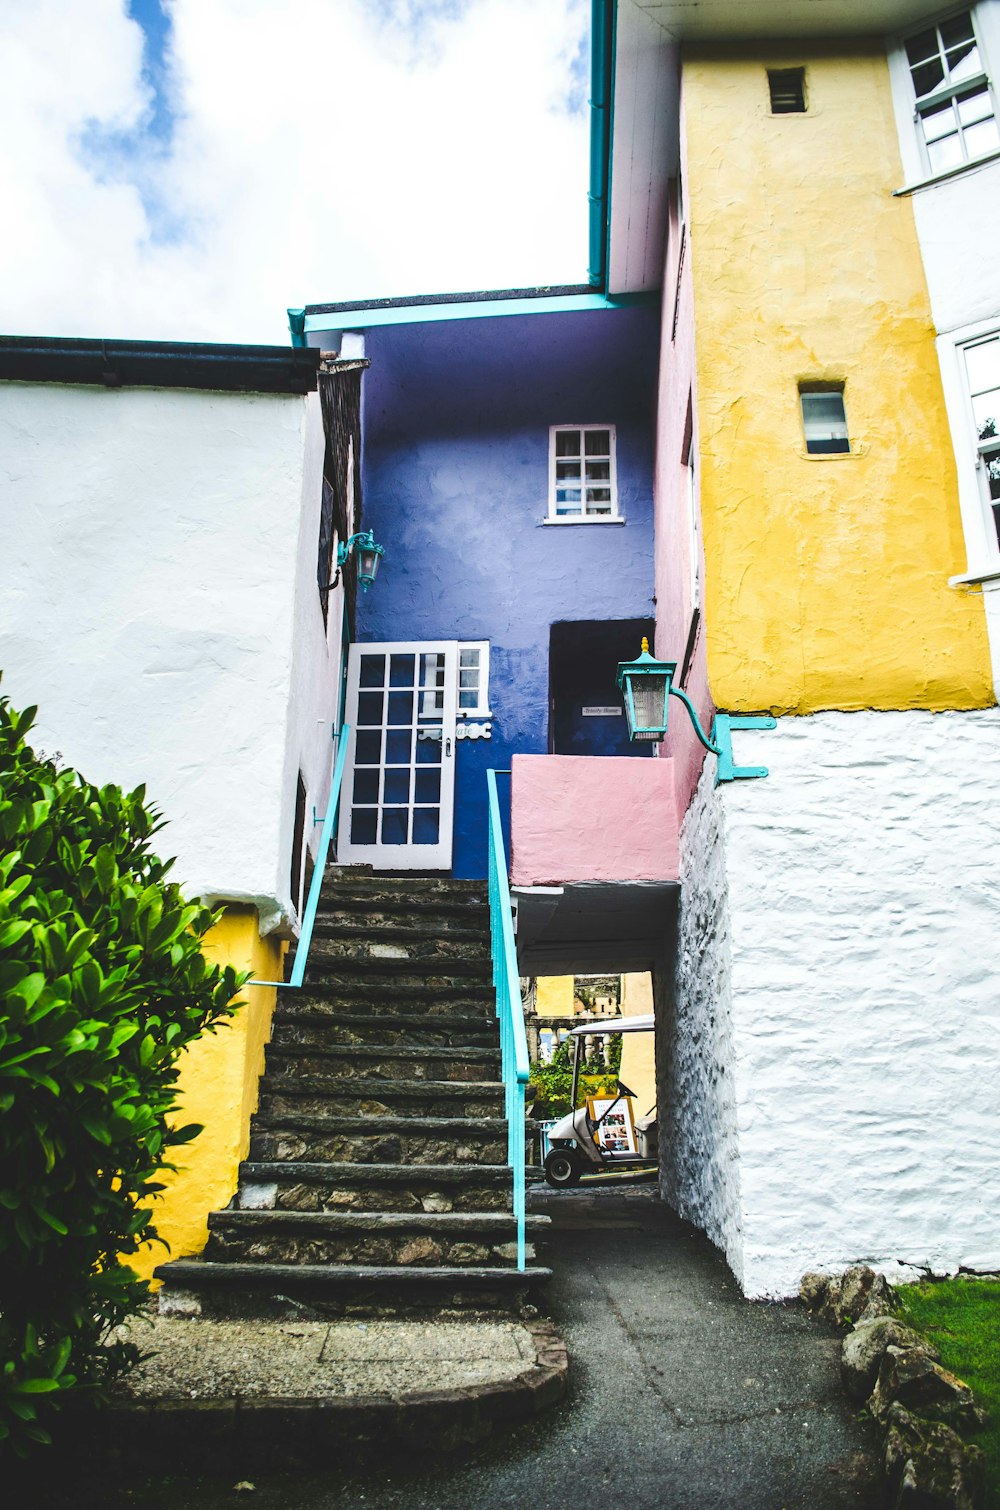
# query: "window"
{"type": "Point", "coordinates": [982, 367]}
{"type": "Point", "coordinates": [474, 679]}
{"type": "Point", "coordinates": [824, 421]}
{"type": "Point", "coordinates": [583, 484]}
{"type": "Point", "coordinates": [954, 108]}
{"type": "Point", "coordinates": [787, 87]}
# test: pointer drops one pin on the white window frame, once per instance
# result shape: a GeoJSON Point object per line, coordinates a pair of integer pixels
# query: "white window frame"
{"type": "Point", "coordinates": [482, 707]}
{"type": "Point", "coordinates": [913, 145]}
{"type": "Point", "coordinates": [613, 516]}
{"type": "Point", "coordinates": [979, 528]}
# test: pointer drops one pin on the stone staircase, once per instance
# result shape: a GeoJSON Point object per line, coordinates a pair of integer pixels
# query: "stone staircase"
{"type": "Point", "coordinates": [377, 1181]}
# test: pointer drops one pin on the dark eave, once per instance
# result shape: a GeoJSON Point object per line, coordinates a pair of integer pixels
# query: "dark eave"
{"type": "Point", "coordinates": [159, 364]}
{"type": "Point", "coordinates": [419, 301]}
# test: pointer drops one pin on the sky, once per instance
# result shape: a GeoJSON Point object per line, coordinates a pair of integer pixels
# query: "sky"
{"type": "Point", "coordinates": [188, 169]}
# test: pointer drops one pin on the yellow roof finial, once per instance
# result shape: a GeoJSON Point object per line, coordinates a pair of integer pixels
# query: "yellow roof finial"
{"type": "Point", "coordinates": [645, 645]}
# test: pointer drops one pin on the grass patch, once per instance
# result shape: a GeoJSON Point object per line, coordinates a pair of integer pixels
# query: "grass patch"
{"type": "Point", "coordinates": [962, 1318]}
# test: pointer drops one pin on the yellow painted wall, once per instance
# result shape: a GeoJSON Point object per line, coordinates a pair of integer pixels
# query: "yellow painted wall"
{"type": "Point", "coordinates": [826, 579]}
{"type": "Point", "coordinates": [638, 1066]}
{"type": "Point", "coordinates": [219, 1080]}
{"type": "Point", "coordinates": [554, 995]}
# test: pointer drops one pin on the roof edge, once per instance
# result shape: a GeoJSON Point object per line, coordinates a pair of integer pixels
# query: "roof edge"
{"type": "Point", "coordinates": [159, 364]}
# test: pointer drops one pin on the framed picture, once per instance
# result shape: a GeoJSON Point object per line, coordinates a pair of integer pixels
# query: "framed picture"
{"type": "Point", "coordinates": [615, 1133]}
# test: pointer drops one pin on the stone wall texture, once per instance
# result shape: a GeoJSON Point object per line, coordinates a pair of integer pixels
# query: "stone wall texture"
{"type": "Point", "coordinates": [699, 1167]}
{"type": "Point", "coordinates": [836, 988]}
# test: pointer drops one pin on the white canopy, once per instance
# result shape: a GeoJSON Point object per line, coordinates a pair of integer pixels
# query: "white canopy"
{"type": "Point", "coordinates": [605, 1026]}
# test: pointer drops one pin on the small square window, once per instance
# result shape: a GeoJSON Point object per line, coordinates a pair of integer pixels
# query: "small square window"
{"type": "Point", "coordinates": [583, 482]}
{"type": "Point", "coordinates": [787, 87]}
{"type": "Point", "coordinates": [474, 679]}
{"type": "Point", "coordinates": [824, 421]}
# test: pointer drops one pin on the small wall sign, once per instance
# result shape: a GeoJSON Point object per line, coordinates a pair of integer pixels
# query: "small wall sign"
{"type": "Point", "coordinates": [601, 712]}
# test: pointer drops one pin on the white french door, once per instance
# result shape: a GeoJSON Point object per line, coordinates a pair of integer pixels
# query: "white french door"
{"type": "Point", "coordinates": [398, 804]}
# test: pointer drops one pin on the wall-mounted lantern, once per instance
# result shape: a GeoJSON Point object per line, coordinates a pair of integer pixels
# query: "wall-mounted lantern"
{"type": "Point", "coordinates": [368, 553]}
{"type": "Point", "coordinates": [648, 687]}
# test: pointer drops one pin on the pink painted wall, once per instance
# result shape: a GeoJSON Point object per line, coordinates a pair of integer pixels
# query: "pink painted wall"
{"type": "Point", "coordinates": [677, 397]}
{"type": "Point", "coordinates": [582, 818]}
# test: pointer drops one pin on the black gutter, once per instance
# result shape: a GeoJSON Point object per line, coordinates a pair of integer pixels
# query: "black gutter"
{"type": "Point", "coordinates": [159, 364]}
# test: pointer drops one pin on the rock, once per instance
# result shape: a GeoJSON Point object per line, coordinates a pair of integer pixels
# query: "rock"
{"type": "Point", "coordinates": [420, 1250]}
{"type": "Point", "coordinates": [911, 1377]}
{"type": "Point", "coordinates": [813, 1290]}
{"type": "Point", "coordinates": [852, 1293]}
{"type": "Point", "coordinates": [864, 1349]}
{"type": "Point", "coordinates": [928, 1466]}
{"type": "Point", "coordinates": [881, 1301]}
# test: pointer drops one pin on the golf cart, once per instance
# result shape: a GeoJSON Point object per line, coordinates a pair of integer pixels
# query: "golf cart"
{"type": "Point", "coordinates": [604, 1133]}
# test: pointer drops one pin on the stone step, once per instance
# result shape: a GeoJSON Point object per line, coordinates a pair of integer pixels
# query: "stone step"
{"type": "Point", "coordinates": [374, 1187]}
{"type": "Point", "coordinates": [388, 947]}
{"type": "Point", "coordinates": [333, 1095]}
{"type": "Point", "coordinates": [362, 878]}
{"type": "Point", "coordinates": [391, 998]}
{"type": "Point", "coordinates": [411, 911]}
{"type": "Point", "coordinates": [379, 974]}
{"type": "Point", "coordinates": [307, 1028]}
{"type": "Point", "coordinates": [386, 1140]}
{"type": "Point", "coordinates": [406, 1062]}
{"type": "Point", "coordinates": [424, 1239]}
{"type": "Point", "coordinates": [192, 1287]}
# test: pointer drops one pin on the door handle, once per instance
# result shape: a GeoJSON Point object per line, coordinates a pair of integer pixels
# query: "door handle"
{"type": "Point", "coordinates": [447, 749]}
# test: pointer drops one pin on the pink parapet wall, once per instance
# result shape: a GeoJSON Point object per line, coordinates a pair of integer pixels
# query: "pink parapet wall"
{"type": "Point", "coordinates": [592, 818]}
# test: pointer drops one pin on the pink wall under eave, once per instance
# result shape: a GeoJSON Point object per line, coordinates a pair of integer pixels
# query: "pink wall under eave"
{"type": "Point", "coordinates": [592, 818]}
{"type": "Point", "coordinates": [670, 506]}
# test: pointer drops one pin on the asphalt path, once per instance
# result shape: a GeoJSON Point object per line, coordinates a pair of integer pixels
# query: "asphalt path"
{"type": "Point", "coordinates": [684, 1396]}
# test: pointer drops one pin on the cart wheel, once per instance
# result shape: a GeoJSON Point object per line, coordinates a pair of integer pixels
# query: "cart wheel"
{"type": "Point", "coordinates": [563, 1169]}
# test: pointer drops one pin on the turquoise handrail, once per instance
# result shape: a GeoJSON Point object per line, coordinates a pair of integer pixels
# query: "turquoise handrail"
{"type": "Point", "coordinates": [513, 1039]}
{"type": "Point", "coordinates": [316, 885]}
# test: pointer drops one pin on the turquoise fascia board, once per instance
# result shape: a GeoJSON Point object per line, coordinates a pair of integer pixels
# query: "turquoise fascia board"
{"type": "Point", "coordinates": [421, 314]}
{"type": "Point", "coordinates": [722, 728]}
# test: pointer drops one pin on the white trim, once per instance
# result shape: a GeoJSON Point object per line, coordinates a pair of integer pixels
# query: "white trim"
{"type": "Point", "coordinates": [552, 516]}
{"type": "Point", "coordinates": [588, 519]}
{"type": "Point", "coordinates": [482, 709]}
{"type": "Point", "coordinates": [949, 173]}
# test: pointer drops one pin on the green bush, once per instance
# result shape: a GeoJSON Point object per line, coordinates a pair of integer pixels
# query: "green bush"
{"type": "Point", "coordinates": [554, 1081]}
{"type": "Point", "coordinates": [102, 984]}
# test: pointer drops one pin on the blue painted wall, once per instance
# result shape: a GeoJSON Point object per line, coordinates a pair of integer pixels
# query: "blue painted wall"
{"type": "Point", "coordinates": [456, 435]}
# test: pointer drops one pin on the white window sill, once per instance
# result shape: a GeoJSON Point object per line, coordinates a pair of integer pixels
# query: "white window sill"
{"type": "Point", "coordinates": [587, 519]}
{"type": "Point", "coordinates": [990, 575]}
{"type": "Point", "coordinates": [942, 178]}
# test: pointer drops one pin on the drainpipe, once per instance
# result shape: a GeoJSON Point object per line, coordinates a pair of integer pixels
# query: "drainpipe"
{"type": "Point", "coordinates": [297, 326]}
{"type": "Point", "coordinates": [602, 31]}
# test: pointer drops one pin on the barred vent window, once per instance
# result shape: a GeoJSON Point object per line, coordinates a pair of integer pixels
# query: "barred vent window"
{"type": "Point", "coordinates": [788, 90]}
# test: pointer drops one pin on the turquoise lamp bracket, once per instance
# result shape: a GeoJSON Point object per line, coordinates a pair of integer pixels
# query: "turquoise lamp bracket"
{"type": "Point", "coordinates": [722, 728]}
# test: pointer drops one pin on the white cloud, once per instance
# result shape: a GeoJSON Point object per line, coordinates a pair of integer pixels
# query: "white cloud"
{"type": "Point", "coordinates": [329, 149]}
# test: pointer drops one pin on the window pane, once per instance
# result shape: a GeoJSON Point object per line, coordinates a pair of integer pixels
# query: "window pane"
{"type": "Point", "coordinates": [964, 62]}
{"type": "Point", "coordinates": [974, 106]}
{"type": "Point", "coordinates": [398, 743]}
{"type": "Point", "coordinates": [957, 31]}
{"type": "Point", "coordinates": [945, 154]}
{"type": "Point", "coordinates": [372, 671]}
{"type": "Point", "coordinates": [428, 786]}
{"type": "Point", "coordinates": [369, 708]}
{"type": "Point", "coordinates": [567, 442]}
{"type": "Point", "coordinates": [469, 678]}
{"type": "Point", "coordinates": [567, 471]}
{"type": "Point", "coordinates": [364, 825]}
{"type": "Point", "coordinates": [928, 77]}
{"type": "Point", "coordinates": [468, 657]}
{"type": "Point", "coordinates": [993, 477]}
{"type": "Point", "coordinates": [368, 747]}
{"type": "Point", "coordinates": [982, 138]}
{"type": "Point", "coordinates": [567, 500]}
{"type": "Point", "coordinates": [428, 751]}
{"type": "Point", "coordinates": [426, 824]}
{"type": "Point", "coordinates": [432, 670]}
{"type": "Point", "coordinates": [401, 670]}
{"type": "Point", "coordinates": [599, 495]}
{"type": "Point", "coordinates": [923, 46]}
{"type": "Point", "coordinates": [395, 825]}
{"type": "Point", "coordinates": [598, 471]}
{"type": "Point", "coordinates": [986, 409]}
{"type": "Point", "coordinates": [983, 365]}
{"type": "Point", "coordinates": [468, 699]}
{"type": "Point", "coordinates": [825, 422]}
{"type": "Point", "coordinates": [397, 787]}
{"type": "Point", "coordinates": [939, 122]}
{"type": "Point", "coordinates": [598, 442]}
{"type": "Point", "coordinates": [366, 786]}
{"type": "Point", "coordinates": [400, 708]}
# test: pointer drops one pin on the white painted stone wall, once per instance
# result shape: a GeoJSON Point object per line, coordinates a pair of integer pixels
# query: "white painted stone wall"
{"type": "Point", "coordinates": [695, 1060]}
{"type": "Point", "coordinates": [858, 1022]}
{"type": "Point", "coordinates": [157, 601]}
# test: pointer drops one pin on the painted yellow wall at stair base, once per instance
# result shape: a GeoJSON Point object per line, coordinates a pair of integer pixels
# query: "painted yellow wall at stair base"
{"type": "Point", "coordinates": [554, 995]}
{"type": "Point", "coordinates": [219, 1080]}
{"type": "Point", "coordinates": [826, 579]}
{"type": "Point", "coordinates": [638, 1066]}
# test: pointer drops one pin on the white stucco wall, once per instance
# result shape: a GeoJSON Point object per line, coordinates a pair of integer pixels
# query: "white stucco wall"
{"type": "Point", "coordinates": [699, 1164]}
{"type": "Point", "coordinates": [153, 603]}
{"type": "Point", "coordinates": [861, 1018]}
